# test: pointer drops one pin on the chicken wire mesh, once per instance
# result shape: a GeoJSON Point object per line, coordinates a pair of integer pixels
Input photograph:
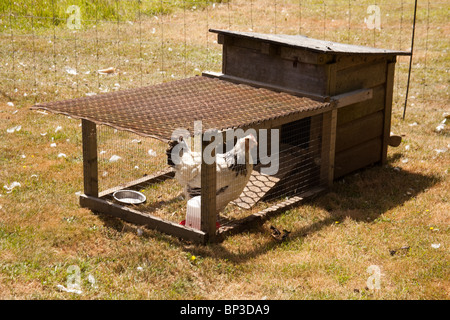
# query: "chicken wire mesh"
{"type": "Point", "coordinates": [53, 49]}
{"type": "Point", "coordinates": [124, 156]}
{"type": "Point", "coordinates": [126, 160]}
{"type": "Point", "coordinates": [289, 165]}
{"type": "Point", "coordinates": [127, 121]}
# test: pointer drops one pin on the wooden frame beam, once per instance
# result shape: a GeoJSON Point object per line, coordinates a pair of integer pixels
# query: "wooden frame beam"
{"type": "Point", "coordinates": [141, 182]}
{"type": "Point", "coordinates": [139, 218]}
{"type": "Point", "coordinates": [90, 161]}
{"type": "Point", "coordinates": [329, 120]}
{"type": "Point", "coordinates": [259, 84]}
{"type": "Point", "coordinates": [208, 190]}
{"type": "Point", "coordinates": [389, 85]}
{"type": "Point", "coordinates": [352, 97]}
{"type": "Point", "coordinates": [329, 125]}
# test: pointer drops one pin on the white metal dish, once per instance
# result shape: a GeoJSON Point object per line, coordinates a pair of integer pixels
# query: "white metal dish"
{"type": "Point", "coordinates": [129, 196]}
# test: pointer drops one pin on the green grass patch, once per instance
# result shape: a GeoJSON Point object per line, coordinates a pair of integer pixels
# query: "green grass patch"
{"type": "Point", "coordinates": [36, 14]}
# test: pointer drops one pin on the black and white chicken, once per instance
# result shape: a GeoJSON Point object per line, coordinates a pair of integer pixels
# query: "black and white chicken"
{"type": "Point", "coordinates": [233, 170]}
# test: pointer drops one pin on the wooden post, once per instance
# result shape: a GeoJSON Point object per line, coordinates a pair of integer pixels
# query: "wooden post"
{"type": "Point", "coordinates": [329, 120]}
{"type": "Point", "coordinates": [247, 151]}
{"type": "Point", "coordinates": [387, 109]}
{"type": "Point", "coordinates": [331, 74]}
{"type": "Point", "coordinates": [208, 193]}
{"type": "Point", "coordinates": [90, 164]}
{"type": "Point", "coordinates": [315, 135]}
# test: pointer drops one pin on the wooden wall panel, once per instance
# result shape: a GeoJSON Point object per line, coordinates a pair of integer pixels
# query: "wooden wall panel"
{"type": "Point", "coordinates": [252, 64]}
{"type": "Point", "coordinates": [364, 108]}
{"type": "Point", "coordinates": [361, 76]}
{"type": "Point", "coordinates": [357, 157]}
{"type": "Point", "coordinates": [358, 131]}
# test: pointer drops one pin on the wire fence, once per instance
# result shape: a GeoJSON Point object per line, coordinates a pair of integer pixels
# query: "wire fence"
{"type": "Point", "coordinates": [63, 49]}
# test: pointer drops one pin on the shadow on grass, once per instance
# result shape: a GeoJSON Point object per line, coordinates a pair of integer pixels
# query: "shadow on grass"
{"type": "Point", "coordinates": [362, 196]}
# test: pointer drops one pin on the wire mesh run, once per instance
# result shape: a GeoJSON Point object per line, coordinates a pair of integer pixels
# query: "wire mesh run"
{"type": "Point", "coordinates": [124, 156]}
{"type": "Point", "coordinates": [287, 170]}
{"type": "Point", "coordinates": [38, 45]}
{"type": "Point", "coordinates": [293, 152]}
{"type": "Point", "coordinates": [136, 126]}
{"type": "Point", "coordinates": [298, 160]}
{"type": "Point", "coordinates": [127, 161]}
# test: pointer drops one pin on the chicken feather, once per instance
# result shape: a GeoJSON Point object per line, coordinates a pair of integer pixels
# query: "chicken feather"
{"type": "Point", "coordinates": [233, 172]}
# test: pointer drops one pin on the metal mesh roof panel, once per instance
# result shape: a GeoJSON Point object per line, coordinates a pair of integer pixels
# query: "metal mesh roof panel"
{"type": "Point", "coordinates": [158, 110]}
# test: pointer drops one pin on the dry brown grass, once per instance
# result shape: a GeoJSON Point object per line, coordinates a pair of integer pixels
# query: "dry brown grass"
{"type": "Point", "coordinates": [335, 237]}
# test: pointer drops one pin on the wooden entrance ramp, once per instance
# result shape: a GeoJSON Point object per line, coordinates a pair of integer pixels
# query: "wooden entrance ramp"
{"type": "Point", "coordinates": [262, 185]}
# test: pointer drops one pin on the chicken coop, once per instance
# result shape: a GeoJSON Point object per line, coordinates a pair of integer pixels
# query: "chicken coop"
{"type": "Point", "coordinates": [317, 111]}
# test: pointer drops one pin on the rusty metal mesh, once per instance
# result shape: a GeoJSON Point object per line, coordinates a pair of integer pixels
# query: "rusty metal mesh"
{"type": "Point", "coordinates": [158, 110]}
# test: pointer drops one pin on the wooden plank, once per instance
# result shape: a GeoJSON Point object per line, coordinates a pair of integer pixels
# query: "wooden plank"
{"type": "Point", "coordinates": [359, 131]}
{"type": "Point", "coordinates": [267, 48]}
{"type": "Point", "coordinates": [388, 110]}
{"type": "Point", "coordinates": [329, 121]}
{"type": "Point", "coordinates": [90, 161]}
{"type": "Point", "coordinates": [305, 56]}
{"type": "Point", "coordinates": [141, 182]}
{"type": "Point", "coordinates": [362, 76]}
{"type": "Point", "coordinates": [244, 223]}
{"type": "Point", "coordinates": [345, 99]}
{"type": "Point", "coordinates": [328, 147]}
{"type": "Point", "coordinates": [244, 43]}
{"type": "Point", "coordinates": [221, 39]}
{"type": "Point", "coordinates": [331, 80]}
{"type": "Point", "coordinates": [208, 192]}
{"type": "Point", "coordinates": [259, 84]}
{"type": "Point", "coordinates": [260, 184]}
{"type": "Point", "coordinates": [364, 108]}
{"type": "Point", "coordinates": [139, 218]}
{"type": "Point", "coordinates": [307, 43]}
{"type": "Point", "coordinates": [251, 64]}
{"type": "Point", "coordinates": [315, 137]}
{"type": "Point", "coordinates": [224, 51]}
{"type": "Point", "coordinates": [357, 157]}
{"type": "Point", "coordinates": [282, 52]}
{"type": "Point", "coordinates": [352, 61]}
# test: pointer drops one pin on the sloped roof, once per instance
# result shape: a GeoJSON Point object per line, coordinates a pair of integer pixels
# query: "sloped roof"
{"type": "Point", "coordinates": [156, 111]}
{"type": "Point", "coordinates": [310, 44]}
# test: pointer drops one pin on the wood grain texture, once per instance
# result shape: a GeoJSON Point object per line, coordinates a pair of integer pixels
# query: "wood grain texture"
{"type": "Point", "coordinates": [364, 108]}
{"type": "Point", "coordinates": [358, 131]}
{"type": "Point", "coordinates": [388, 110]}
{"type": "Point", "coordinates": [253, 65]}
{"type": "Point", "coordinates": [361, 76]}
{"type": "Point", "coordinates": [357, 157]}
{"type": "Point", "coordinates": [310, 44]}
{"type": "Point", "coordinates": [90, 160]}
{"type": "Point", "coordinates": [328, 148]}
{"type": "Point", "coordinates": [208, 193]}
{"type": "Point", "coordinates": [139, 218]}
